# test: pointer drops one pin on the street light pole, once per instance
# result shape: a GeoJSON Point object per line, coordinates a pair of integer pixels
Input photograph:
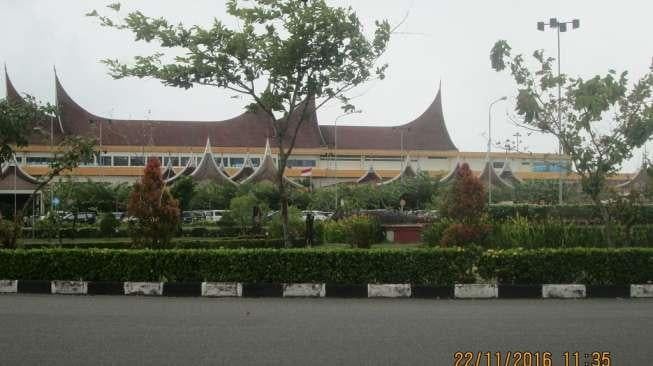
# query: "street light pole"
{"type": "Point", "coordinates": [489, 148]}
{"type": "Point", "coordinates": [560, 27]}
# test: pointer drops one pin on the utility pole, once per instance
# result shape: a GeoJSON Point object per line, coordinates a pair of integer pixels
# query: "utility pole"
{"type": "Point", "coordinates": [559, 27]}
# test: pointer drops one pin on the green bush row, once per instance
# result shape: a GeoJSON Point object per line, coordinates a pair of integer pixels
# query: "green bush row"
{"type": "Point", "coordinates": [344, 266]}
{"type": "Point", "coordinates": [520, 233]}
{"type": "Point", "coordinates": [592, 266]}
{"type": "Point", "coordinates": [194, 243]}
{"type": "Point", "coordinates": [578, 213]}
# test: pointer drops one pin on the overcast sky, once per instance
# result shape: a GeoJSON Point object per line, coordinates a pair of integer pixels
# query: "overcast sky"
{"type": "Point", "coordinates": [440, 41]}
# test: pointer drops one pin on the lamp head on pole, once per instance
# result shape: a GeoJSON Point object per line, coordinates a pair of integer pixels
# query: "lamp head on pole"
{"type": "Point", "coordinates": [540, 26]}
{"type": "Point", "coordinates": [575, 23]}
{"type": "Point", "coordinates": [553, 22]}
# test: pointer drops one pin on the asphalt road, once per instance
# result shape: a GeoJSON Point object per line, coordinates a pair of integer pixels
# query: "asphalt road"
{"type": "Point", "coordinates": [121, 330]}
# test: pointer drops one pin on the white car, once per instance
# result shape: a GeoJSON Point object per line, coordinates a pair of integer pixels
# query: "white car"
{"type": "Point", "coordinates": [214, 215]}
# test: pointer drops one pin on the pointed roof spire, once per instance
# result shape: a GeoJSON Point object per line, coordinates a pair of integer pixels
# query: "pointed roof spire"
{"type": "Point", "coordinates": [508, 175]}
{"type": "Point", "coordinates": [12, 94]}
{"type": "Point", "coordinates": [267, 171]}
{"type": "Point", "coordinates": [168, 172]}
{"type": "Point", "coordinates": [452, 174]}
{"type": "Point", "coordinates": [407, 172]}
{"type": "Point", "coordinates": [370, 176]}
{"type": "Point", "coordinates": [13, 177]}
{"type": "Point", "coordinates": [208, 169]}
{"type": "Point", "coordinates": [488, 170]}
{"type": "Point", "coordinates": [245, 171]}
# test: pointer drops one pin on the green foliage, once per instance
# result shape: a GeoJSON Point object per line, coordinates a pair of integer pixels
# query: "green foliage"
{"type": "Point", "coordinates": [211, 196]}
{"type": "Point", "coordinates": [543, 192]}
{"type": "Point", "coordinates": [301, 51]}
{"type": "Point", "coordinates": [343, 266]}
{"type": "Point", "coordinates": [48, 228]}
{"type": "Point", "coordinates": [590, 266]}
{"type": "Point", "coordinates": [8, 232]}
{"type": "Point", "coordinates": [183, 190]}
{"type": "Point", "coordinates": [18, 121]}
{"type": "Point", "coordinates": [459, 234]}
{"type": "Point", "coordinates": [334, 232]}
{"type": "Point", "coordinates": [156, 212]}
{"type": "Point", "coordinates": [636, 214]}
{"type": "Point", "coordinates": [598, 121]}
{"type": "Point", "coordinates": [86, 196]}
{"type": "Point", "coordinates": [185, 243]}
{"type": "Point", "coordinates": [361, 231]}
{"type": "Point", "coordinates": [108, 224]}
{"type": "Point", "coordinates": [241, 210]}
{"type": "Point", "coordinates": [296, 227]}
{"type": "Point", "coordinates": [432, 234]}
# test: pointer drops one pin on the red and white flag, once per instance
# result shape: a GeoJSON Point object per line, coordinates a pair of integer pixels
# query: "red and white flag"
{"type": "Point", "coordinates": [307, 172]}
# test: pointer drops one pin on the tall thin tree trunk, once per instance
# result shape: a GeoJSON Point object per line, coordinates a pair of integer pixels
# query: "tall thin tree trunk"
{"type": "Point", "coordinates": [607, 221]}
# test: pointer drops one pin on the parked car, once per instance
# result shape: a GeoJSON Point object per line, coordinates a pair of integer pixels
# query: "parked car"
{"type": "Point", "coordinates": [214, 215]}
{"type": "Point", "coordinates": [317, 215]}
{"type": "Point", "coordinates": [119, 215]}
{"type": "Point", "coordinates": [82, 217]}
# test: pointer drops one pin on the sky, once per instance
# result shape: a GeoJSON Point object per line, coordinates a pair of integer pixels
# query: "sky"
{"type": "Point", "coordinates": [440, 42]}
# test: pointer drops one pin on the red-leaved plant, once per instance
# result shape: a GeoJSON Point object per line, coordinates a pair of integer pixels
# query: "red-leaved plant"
{"type": "Point", "coordinates": [155, 211]}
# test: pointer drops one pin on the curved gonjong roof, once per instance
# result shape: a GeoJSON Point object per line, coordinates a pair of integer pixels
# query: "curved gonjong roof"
{"type": "Point", "coordinates": [489, 173]}
{"type": "Point", "coordinates": [370, 176]}
{"type": "Point", "coordinates": [426, 132]}
{"type": "Point", "coordinates": [267, 171]}
{"type": "Point", "coordinates": [208, 170]}
{"type": "Point", "coordinates": [245, 171]}
{"type": "Point", "coordinates": [250, 129]}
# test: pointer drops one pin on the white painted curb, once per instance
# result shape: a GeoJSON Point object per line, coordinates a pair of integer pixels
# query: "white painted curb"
{"type": "Point", "coordinates": [304, 290]}
{"type": "Point", "coordinates": [8, 286]}
{"type": "Point", "coordinates": [476, 291]}
{"type": "Point", "coordinates": [641, 290]}
{"type": "Point", "coordinates": [144, 288]}
{"type": "Point", "coordinates": [564, 291]}
{"type": "Point", "coordinates": [222, 289]}
{"type": "Point", "coordinates": [69, 287]}
{"type": "Point", "coordinates": [389, 290]}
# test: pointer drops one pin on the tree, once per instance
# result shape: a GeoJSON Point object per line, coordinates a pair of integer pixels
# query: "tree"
{"type": "Point", "coordinates": [183, 190]}
{"type": "Point", "coordinates": [69, 153]}
{"type": "Point", "coordinates": [598, 121]}
{"type": "Point", "coordinates": [465, 200]}
{"type": "Point", "coordinates": [241, 209]}
{"type": "Point", "coordinates": [18, 122]}
{"type": "Point", "coordinates": [156, 212]}
{"type": "Point", "coordinates": [283, 54]}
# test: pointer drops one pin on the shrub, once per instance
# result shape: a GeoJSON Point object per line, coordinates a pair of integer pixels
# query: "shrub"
{"type": "Point", "coordinates": [340, 266]}
{"type": "Point", "coordinates": [432, 234]}
{"type": "Point", "coordinates": [592, 266]}
{"type": "Point", "coordinates": [8, 232]}
{"type": "Point", "coordinates": [108, 224]}
{"type": "Point", "coordinates": [156, 212]}
{"type": "Point", "coordinates": [464, 201]}
{"type": "Point", "coordinates": [463, 234]}
{"type": "Point", "coordinates": [202, 243]}
{"type": "Point", "coordinates": [334, 232]}
{"type": "Point", "coordinates": [296, 226]}
{"type": "Point", "coordinates": [361, 231]}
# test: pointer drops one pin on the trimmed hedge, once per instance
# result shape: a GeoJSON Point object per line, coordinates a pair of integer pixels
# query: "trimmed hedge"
{"type": "Point", "coordinates": [199, 243]}
{"type": "Point", "coordinates": [577, 213]}
{"type": "Point", "coordinates": [342, 266]}
{"type": "Point", "coordinates": [591, 266]}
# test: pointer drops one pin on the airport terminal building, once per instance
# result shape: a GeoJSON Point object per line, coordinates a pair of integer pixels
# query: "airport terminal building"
{"type": "Point", "coordinates": [331, 154]}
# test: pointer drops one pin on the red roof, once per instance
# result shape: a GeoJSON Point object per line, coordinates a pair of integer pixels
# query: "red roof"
{"type": "Point", "coordinates": [250, 129]}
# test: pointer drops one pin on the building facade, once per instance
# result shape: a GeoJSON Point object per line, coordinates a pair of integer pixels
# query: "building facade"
{"type": "Point", "coordinates": [334, 154]}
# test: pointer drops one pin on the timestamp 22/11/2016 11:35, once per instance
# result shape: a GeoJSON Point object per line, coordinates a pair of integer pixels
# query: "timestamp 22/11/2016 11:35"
{"type": "Point", "coordinates": [531, 359]}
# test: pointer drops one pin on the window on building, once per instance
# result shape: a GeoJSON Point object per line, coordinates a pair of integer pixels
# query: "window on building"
{"type": "Point", "coordinates": [38, 160]}
{"type": "Point", "coordinates": [173, 159]}
{"type": "Point", "coordinates": [236, 162]}
{"type": "Point", "coordinates": [121, 160]}
{"type": "Point", "coordinates": [137, 161]}
{"type": "Point", "coordinates": [497, 164]}
{"type": "Point", "coordinates": [256, 162]}
{"type": "Point", "coordinates": [184, 160]}
{"type": "Point", "coordinates": [105, 160]}
{"type": "Point", "coordinates": [291, 163]}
